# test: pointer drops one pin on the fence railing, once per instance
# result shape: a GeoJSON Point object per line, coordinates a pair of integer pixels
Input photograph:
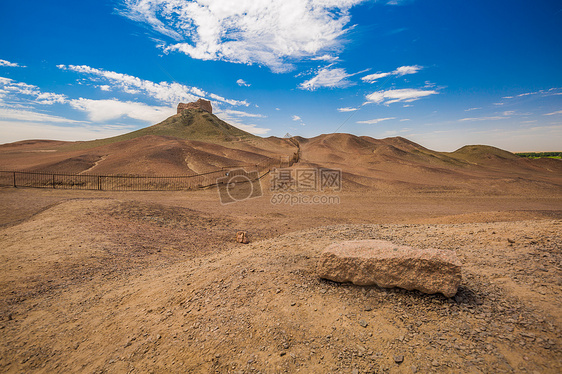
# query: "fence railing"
{"type": "Point", "coordinates": [108, 182]}
{"type": "Point", "coordinates": [127, 182]}
{"type": "Point", "coordinates": [135, 182]}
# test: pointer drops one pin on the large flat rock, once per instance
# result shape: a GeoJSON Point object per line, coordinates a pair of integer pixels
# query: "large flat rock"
{"type": "Point", "coordinates": [385, 264]}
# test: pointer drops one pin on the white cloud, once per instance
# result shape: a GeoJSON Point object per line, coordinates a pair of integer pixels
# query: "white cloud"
{"type": "Point", "coordinates": [491, 118]}
{"type": "Point", "coordinates": [49, 98]}
{"type": "Point", "coordinates": [402, 70]}
{"type": "Point", "coordinates": [233, 117]}
{"type": "Point", "coordinates": [10, 87]}
{"type": "Point", "coordinates": [16, 131]}
{"type": "Point", "coordinates": [546, 92]}
{"type": "Point", "coordinates": [347, 109]}
{"type": "Point", "coordinates": [252, 129]}
{"type": "Point", "coordinates": [374, 77]}
{"type": "Point", "coordinates": [32, 116]}
{"type": "Point", "coordinates": [327, 77]}
{"type": "Point", "coordinates": [296, 118]}
{"type": "Point", "coordinates": [553, 113]}
{"type": "Point", "coordinates": [104, 110]}
{"type": "Point", "coordinates": [376, 120]}
{"type": "Point", "coordinates": [105, 87]}
{"type": "Point", "coordinates": [397, 2]}
{"type": "Point", "coordinates": [470, 109]}
{"type": "Point", "coordinates": [400, 95]}
{"type": "Point", "coordinates": [241, 83]}
{"type": "Point", "coordinates": [10, 64]}
{"type": "Point", "coordinates": [327, 58]}
{"type": "Point", "coordinates": [405, 70]}
{"type": "Point", "coordinates": [238, 113]}
{"type": "Point", "coordinates": [170, 93]}
{"type": "Point", "coordinates": [267, 32]}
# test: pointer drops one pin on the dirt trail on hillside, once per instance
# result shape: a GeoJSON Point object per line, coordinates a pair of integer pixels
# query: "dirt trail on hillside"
{"type": "Point", "coordinates": [121, 285]}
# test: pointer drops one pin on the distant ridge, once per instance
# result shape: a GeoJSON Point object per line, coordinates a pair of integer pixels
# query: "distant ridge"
{"type": "Point", "coordinates": [196, 141]}
{"type": "Point", "coordinates": [478, 153]}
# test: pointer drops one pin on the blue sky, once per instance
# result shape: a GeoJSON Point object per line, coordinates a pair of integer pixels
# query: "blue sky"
{"type": "Point", "coordinates": [441, 73]}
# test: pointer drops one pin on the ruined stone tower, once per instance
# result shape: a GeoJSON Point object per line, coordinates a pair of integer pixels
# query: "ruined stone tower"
{"type": "Point", "coordinates": [199, 104]}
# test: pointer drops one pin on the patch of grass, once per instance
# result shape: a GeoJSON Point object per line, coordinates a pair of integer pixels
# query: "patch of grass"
{"type": "Point", "coordinates": [535, 155]}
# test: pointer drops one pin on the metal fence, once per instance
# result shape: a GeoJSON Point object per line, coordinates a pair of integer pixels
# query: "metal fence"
{"type": "Point", "coordinates": [124, 182]}
{"type": "Point", "coordinates": [135, 182]}
{"type": "Point", "coordinates": [110, 182]}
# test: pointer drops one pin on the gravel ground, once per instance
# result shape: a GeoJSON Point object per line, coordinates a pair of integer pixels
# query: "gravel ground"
{"type": "Point", "coordinates": [121, 286]}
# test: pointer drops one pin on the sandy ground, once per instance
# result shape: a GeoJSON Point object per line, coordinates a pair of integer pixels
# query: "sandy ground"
{"type": "Point", "coordinates": [153, 282]}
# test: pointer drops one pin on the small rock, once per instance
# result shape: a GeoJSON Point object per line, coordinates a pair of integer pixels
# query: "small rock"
{"type": "Point", "coordinates": [242, 237]}
{"type": "Point", "coordinates": [363, 323]}
{"type": "Point", "coordinates": [399, 359]}
{"type": "Point", "coordinates": [511, 241]}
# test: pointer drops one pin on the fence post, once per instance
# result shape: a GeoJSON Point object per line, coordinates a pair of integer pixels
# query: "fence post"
{"type": "Point", "coordinates": [15, 180]}
{"type": "Point", "coordinates": [99, 184]}
{"type": "Point", "coordinates": [53, 181]}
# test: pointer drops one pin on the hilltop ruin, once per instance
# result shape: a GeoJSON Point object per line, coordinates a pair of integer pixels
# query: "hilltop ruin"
{"type": "Point", "coordinates": [199, 104]}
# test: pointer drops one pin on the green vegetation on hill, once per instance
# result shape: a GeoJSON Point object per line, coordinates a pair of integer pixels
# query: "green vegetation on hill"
{"type": "Point", "coordinates": [557, 155]}
{"type": "Point", "coordinates": [478, 153]}
{"type": "Point", "coordinates": [191, 124]}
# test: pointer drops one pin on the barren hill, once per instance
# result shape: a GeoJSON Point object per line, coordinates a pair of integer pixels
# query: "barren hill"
{"type": "Point", "coordinates": [193, 141]}
{"type": "Point", "coordinates": [196, 141]}
{"type": "Point", "coordinates": [400, 164]}
{"type": "Point", "coordinates": [191, 124]}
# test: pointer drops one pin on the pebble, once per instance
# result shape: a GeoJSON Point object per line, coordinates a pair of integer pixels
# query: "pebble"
{"type": "Point", "coordinates": [363, 323]}
{"type": "Point", "coordinates": [399, 359]}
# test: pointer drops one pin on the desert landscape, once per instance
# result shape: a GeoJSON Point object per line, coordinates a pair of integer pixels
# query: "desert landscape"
{"type": "Point", "coordinates": [154, 281]}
